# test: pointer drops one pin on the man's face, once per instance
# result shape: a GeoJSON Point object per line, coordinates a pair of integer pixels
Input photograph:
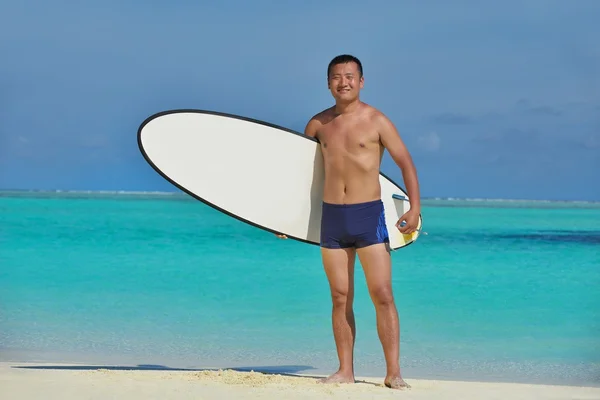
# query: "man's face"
{"type": "Point", "coordinates": [345, 81]}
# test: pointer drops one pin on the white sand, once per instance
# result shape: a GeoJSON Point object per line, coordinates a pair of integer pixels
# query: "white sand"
{"type": "Point", "coordinates": [66, 384]}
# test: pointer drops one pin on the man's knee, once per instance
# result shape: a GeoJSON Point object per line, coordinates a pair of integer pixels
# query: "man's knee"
{"type": "Point", "coordinates": [340, 297]}
{"type": "Point", "coordinates": [382, 295]}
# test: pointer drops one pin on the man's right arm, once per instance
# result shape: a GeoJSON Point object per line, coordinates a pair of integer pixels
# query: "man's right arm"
{"type": "Point", "coordinates": [312, 127]}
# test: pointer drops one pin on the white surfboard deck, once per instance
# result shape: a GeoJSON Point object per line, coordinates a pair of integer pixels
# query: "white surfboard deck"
{"type": "Point", "coordinates": [265, 175]}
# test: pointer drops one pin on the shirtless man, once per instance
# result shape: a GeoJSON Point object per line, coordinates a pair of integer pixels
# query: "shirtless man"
{"type": "Point", "coordinates": [353, 137]}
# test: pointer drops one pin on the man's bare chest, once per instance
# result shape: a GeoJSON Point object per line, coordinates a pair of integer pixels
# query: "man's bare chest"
{"type": "Point", "coordinates": [348, 135]}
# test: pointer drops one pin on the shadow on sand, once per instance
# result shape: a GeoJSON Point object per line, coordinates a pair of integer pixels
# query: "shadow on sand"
{"type": "Point", "coordinates": [284, 370]}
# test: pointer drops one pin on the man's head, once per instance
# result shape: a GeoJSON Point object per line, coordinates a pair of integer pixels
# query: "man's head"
{"type": "Point", "coordinates": [345, 77]}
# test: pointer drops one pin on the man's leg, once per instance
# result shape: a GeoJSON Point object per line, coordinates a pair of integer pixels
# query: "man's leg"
{"type": "Point", "coordinates": [339, 268]}
{"type": "Point", "coordinates": [376, 262]}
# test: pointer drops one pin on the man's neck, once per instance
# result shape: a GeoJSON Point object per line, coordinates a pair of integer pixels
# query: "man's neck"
{"type": "Point", "coordinates": [346, 108]}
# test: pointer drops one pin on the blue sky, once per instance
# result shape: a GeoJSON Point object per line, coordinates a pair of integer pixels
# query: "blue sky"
{"type": "Point", "coordinates": [497, 100]}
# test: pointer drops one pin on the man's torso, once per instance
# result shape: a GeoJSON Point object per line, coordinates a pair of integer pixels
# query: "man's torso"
{"type": "Point", "coordinates": [352, 153]}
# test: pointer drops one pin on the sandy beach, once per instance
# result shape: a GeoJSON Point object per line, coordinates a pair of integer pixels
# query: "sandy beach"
{"type": "Point", "coordinates": [40, 381]}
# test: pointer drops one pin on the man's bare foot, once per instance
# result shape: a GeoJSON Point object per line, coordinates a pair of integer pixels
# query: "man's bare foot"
{"type": "Point", "coordinates": [396, 382]}
{"type": "Point", "coordinates": [338, 377]}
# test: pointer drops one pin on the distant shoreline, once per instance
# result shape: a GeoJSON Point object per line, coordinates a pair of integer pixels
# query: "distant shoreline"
{"type": "Point", "coordinates": [181, 194]}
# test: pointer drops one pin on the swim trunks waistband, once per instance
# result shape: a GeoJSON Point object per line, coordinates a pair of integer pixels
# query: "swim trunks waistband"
{"type": "Point", "coordinates": [352, 205]}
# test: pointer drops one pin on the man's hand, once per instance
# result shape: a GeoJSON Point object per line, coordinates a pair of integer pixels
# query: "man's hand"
{"type": "Point", "coordinates": [280, 236]}
{"type": "Point", "coordinates": [409, 222]}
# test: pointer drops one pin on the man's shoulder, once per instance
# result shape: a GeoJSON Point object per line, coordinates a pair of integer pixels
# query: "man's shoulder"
{"type": "Point", "coordinates": [318, 120]}
{"type": "Point", "coordinates": [375, 115]}
{"type": "Point", "coordinates": [323, 116]}
{"type": "Point", "coordinates": [371, 111]}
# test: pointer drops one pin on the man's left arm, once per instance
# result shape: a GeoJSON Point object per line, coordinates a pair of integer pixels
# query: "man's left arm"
{"type": "Point", "coordinates": [391, 140]}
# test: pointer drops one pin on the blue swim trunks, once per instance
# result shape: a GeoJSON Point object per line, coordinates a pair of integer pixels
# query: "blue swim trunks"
{"type": "Point", "coordinates": [353, 225]}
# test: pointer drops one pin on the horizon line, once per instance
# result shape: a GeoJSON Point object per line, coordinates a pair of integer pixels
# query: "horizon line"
{"type": "Point", "coordinates": [179, 192]}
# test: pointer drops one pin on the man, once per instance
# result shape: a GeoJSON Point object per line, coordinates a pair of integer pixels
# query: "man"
{"type": "Point", "coordinates": [353, 137]}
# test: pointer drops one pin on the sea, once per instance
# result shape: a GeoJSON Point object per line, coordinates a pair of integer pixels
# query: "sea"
{"type": "Point", "coordinates": [494, 290]}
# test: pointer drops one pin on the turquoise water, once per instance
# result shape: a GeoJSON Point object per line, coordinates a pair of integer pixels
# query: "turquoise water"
{"type": "Point", "coordinates": [504, 291]}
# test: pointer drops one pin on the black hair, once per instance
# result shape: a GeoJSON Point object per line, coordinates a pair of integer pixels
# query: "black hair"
{"type": "Point", "coordinates": [343, 59]}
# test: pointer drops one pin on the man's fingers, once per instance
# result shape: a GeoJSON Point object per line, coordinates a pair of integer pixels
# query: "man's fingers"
{"type": "Point", "coordinates": [406, 229]}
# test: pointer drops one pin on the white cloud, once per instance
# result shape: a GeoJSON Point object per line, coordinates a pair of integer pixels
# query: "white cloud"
{"type": "Point", "coordinates": [430, 141]}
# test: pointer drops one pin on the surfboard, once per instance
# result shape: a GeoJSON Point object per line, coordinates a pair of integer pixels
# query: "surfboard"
{"type": "Point", "coordinates": [263, 174]}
